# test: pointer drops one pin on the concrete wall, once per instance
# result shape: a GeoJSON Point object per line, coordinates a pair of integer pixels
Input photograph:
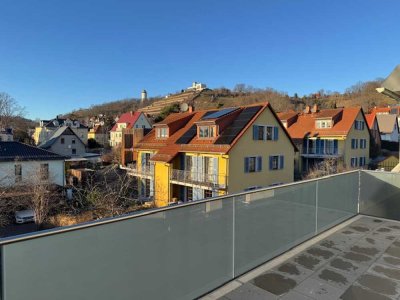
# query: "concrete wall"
{"type": "Point", "coordinates": [30, 171]}
{"type": "Point", "coordinates": [246, 146]}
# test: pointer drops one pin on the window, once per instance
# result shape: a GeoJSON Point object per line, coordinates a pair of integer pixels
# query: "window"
{"type": "Point", "coordinates": [162, 132]}
{"type": "Point", "coordinates": [359, 125]}
{"type": "Point", "coordinates": [276, 162]}
{"type": "Point", "coordinates": [323, 124]}
{"type": "Point", "coordinates": [18, 173]}
{"type": "Point", "coordinates": [73, 141]}
{"type": "Point", "coordinates": [353, 162]}
{"type": "Point", "coordinates": [363, 143]}
{"type": "Point", "coordinates": [62, 141]}
{"type": "Point", "coordinates": [206, 131]}
{"type": "Point", "coordinates": [266, 133]}
{"type": "Point", "coordinates": [44, 171]}
{"type": "Point", "coordinates": [147, 188]}
{"type": "Point", "coordinates": [362, 161]}
{"type": "Point", "coordinates": [73, 151]}
{"type": "Point", "coordinates": [208, 194]}
{"type": "Point", "coordinates": [189, 193]}
{"type": "Point", "coordinates": [252, 164]}
{"type": "Point", "coordinates": [261, 133]}
{"type": "Point", "coordinates": [354, 143]}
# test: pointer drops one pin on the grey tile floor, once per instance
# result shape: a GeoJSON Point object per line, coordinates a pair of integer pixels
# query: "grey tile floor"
{"type": "Point", "coordinates": [361, 261]}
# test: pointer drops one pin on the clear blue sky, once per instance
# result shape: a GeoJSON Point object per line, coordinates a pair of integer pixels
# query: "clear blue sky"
{"type": "Point", "coordinates": [56, 56]}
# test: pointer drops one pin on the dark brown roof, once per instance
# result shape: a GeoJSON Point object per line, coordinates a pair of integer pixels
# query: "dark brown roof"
{"type": "Point", "coordinates": [12, 151]}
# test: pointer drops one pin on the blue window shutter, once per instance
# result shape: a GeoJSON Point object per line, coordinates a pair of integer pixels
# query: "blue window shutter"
{"type": "Point", "coordinates": [270, 162]}
{"type": "Point", "coordinates": [246, 165]}
{"type": "Point", "coordinates": [255, 132]}
{"type": "Point", "coordinates": [276, 133]}
{"type": "Point", "coordinates": [282, 159]}
{"type": "Point", "coordinates": [335, 146]}
{"type": "Point", "coordinates": [259, 164]}
{"type": "Point", "coordinates": [352, 143]}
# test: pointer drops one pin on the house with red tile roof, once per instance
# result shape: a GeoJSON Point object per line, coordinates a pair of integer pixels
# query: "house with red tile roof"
{"type": "Point", "coordinates": [195, 155]}
{"type": "Point", "coordinates": [127, 120]}
{"type": "Point", "coordinates": [373, 126]}
{"type": "Point", "coordinates": [341, 134]}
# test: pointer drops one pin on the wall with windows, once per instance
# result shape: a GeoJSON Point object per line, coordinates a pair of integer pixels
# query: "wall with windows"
{"type": "Point", "coordinates": [357, 145]}
{"type": "Point", "coordinates": [21, 172]}
{"type": "Point", "coordinates": [262, 149]}
{"type": "Point", "coordinates": [68, 145]}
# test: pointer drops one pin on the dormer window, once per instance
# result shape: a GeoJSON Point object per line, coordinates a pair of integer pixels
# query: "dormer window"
{"type": "Point", "coordinates": [323, 124]}
{"type": "Point", "coordinates": [162, 132]}
{"type": "Point", "coordinates": [206, 131]}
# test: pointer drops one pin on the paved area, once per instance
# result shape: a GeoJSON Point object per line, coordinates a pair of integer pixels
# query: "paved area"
{"type": "Point", "coordinates": [360, 261]}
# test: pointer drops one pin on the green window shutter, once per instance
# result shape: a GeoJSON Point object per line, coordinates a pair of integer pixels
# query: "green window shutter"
{"type": "Point", "coordinates": [259, 164]}
{"type": "Point", "coordinates": [246, 165]}
{"type": "Point", "coordinates": [282, 160]}
{"type": "Point", "coordinates": [276, 133]}
{"type": "Point", "coordinates": [255, 132]}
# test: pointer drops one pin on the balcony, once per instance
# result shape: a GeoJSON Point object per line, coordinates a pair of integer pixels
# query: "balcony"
{"type": "Point", "coordinates": [146, 172]}
{"type": "Point", "coordinates": [327, 152]}
{"type": "Point", "coordinates": [189, 178]}
{"type": "Point", "coordinates": [188, 250]}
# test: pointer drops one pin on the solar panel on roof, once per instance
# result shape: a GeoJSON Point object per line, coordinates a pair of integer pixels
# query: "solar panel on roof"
{"type": "Point", "coordinates": [230, 133]}
{"type": "Point", "coordinates": [219, 113]}
{"type": "Point", "coordinates": [188, 135]}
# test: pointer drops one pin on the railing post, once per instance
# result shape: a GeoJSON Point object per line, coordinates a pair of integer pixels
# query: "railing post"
{"type": "Point", "coordinates": [316, 207]}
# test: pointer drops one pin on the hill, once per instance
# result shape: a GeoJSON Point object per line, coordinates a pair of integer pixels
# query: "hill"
{"type": "Point", "coordinates": [361, 94]}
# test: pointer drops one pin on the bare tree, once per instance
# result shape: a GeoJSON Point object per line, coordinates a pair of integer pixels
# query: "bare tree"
{"type": "Point", "coordinates": [109, 192]}
{"type": "Point", "coordinates": [324, 168]}
{"type": "Point", "coordinates": [9, 109]}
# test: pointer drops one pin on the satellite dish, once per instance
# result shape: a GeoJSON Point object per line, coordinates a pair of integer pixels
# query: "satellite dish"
{"type": "Point", "coordinates": [183, 107]}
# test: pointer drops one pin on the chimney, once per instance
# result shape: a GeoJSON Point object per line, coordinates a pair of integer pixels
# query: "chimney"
{"type": "Point", "coordinates": [190, 108]}
{"type": "Point", "coordinates": [315, 108]}
{"type": "Point", "coordinates": [307, 109]}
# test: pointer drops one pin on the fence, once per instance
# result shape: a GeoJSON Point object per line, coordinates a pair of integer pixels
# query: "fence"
{"type": "Point", "coordinates": [184, 251]}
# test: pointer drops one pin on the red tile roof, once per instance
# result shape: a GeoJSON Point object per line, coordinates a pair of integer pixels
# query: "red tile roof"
{"type": "Point", "coordinates": [168, 148]}
{"type": "Point", "coordinates": [381, 110]}
{"type": "Point", "coordinates": [370, 119]}
{"type": "Point", "coordinates": [305, 124]}
{"type": "Point", "coordinates": [129, 118]}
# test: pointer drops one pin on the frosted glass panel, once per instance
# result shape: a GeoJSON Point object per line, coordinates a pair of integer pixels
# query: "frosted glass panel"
{"type": "Point", "coordinates": [270, 222]}
{"type": "Point", "coordinates": [176, 254]}
{"type": "Point", "coordinates": [337, 199]}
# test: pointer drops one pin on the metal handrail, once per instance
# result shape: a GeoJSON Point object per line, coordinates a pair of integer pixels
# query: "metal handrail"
{"type": "Point", "coordinates": [322, 151]}
{"type": "Point", "coordinates": [211, 180]}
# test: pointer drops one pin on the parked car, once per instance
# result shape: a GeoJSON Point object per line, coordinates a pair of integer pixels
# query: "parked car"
{"type": "Point", "coordinates": [24, 216]}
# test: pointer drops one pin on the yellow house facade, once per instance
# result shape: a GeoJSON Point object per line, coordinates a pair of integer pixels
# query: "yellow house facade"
{"type": "Point", "coordinates": [340, 135]}
{"type": "Point", "coordinates": [197, 155]}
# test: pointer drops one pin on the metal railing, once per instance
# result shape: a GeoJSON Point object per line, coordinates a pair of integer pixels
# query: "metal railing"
{"type": "Point", "coordinates": [214, 181]}
{"type": "Point", "coordinates": [326, 151]}
{"type": "Point", "coordinates": [147, 255]}
{"type": "Point", "coordinates": [142, 171]}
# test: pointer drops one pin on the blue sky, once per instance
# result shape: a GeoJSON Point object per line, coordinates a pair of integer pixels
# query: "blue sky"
{"type": "Point", "coordinates": [56, 56]}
